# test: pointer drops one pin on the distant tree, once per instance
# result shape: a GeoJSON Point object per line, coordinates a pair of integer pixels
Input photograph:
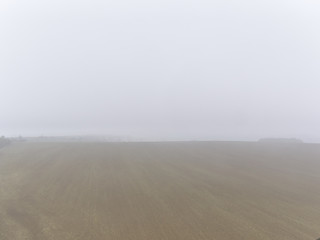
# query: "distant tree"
{"type": "Point", "coordinates": [4, 141]}
{"type": "Point", "coordinates": [281, 140]}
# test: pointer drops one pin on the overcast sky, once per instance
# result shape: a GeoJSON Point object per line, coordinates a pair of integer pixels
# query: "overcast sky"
{"type": "Point", "coordinates": [169, 69]}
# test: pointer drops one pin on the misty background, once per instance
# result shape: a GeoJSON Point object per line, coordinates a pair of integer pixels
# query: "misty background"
{"type": "Point", "coordinates": [167, 70]}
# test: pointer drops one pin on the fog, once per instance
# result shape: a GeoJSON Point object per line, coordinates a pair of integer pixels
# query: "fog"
{"type": "Point", "coordinates": [167, 70]}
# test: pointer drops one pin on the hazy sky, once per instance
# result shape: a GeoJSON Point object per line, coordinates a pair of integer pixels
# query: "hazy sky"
{"type": "Point", "coordinates": [168, 69]}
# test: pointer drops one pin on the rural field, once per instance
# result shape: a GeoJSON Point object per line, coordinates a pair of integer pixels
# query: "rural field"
{"type": "Point", "coordinates": [160, 191]}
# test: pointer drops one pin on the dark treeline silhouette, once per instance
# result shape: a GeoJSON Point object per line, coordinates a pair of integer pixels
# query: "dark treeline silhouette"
{"type": "Point", "coordinates": [281, 140]}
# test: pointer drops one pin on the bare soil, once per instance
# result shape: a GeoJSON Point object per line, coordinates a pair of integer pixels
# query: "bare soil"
{"type": "Point", "coordinates": [160, 191]}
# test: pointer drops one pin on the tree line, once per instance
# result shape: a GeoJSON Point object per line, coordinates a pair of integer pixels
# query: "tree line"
{"type": "Point", "coordinates": [4, 141]}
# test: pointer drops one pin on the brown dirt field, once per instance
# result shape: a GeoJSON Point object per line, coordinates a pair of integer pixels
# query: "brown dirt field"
{"type": "Point", "coordinates": [160, 191]}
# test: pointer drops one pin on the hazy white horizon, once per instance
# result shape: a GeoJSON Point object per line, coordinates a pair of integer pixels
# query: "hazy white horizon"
{"type": "Point", "coordinates": [189, 70]}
